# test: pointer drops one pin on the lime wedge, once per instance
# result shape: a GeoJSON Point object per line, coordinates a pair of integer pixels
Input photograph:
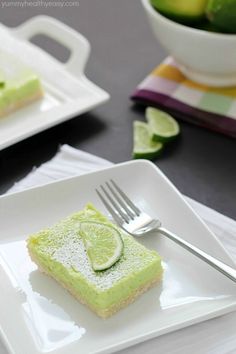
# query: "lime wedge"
{"type": "Point", "coordinates": [162, 126]}
{"type": "Point", "coordinates": [144, 147]}
{"type": "Point", "coordinates": [103, 244]}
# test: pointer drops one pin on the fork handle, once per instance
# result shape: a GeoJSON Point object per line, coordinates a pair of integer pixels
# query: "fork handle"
{"type": "Point", "coordinates": [215, 263]}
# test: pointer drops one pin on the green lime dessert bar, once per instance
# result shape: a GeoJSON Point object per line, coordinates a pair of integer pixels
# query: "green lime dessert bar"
{"type": "Point", "coordinates": [19, 85]}
{"type": "Point", "coordinates": [60, 252]}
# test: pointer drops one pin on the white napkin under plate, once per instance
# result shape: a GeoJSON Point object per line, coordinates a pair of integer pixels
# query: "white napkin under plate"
{"type": "Point", "coordinates": [216, 336]}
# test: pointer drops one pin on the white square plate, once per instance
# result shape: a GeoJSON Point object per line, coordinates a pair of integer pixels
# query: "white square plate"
{"type": "Point", "coordinates": [68, 93]}
{"type": "Point", "coordinates": [37, 315]}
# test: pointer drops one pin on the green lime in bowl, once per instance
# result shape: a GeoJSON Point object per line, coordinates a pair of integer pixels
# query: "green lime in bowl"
{"type": "Point", "coordinates": [185, 11]}
{"type": "Point", "coordinates": [222, 14]}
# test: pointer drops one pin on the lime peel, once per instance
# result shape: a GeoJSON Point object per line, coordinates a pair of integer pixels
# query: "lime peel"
{"type": "Point", "coordinates": [222, 15]}
{"type": "Point", "coordinates": [103, 243]}
{"type": "Point", "coordinates": [143, 146]}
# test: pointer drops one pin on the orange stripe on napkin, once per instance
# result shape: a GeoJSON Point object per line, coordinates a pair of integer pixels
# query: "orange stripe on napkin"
{"type": "Point", "coordinates": [169, 72]}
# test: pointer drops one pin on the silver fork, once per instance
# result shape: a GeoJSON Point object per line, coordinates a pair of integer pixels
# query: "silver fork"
{"type": "Point", "coordinates": [137, 223]}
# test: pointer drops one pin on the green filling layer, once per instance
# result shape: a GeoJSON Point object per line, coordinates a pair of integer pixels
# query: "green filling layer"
{"type": "Point", "coordinates": [60, 251]}
{"type": "Point", "coordinates": [21, 88]}
{"type": "Point", "coordinates": [18, 83]}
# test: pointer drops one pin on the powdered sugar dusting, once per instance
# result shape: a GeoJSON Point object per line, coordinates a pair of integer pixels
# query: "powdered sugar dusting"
{"type": "Point", "coordinates": [64, 244]}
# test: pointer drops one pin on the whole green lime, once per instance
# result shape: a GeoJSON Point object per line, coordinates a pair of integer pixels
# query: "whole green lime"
{"type": "Point", "coordinates": [185, 11]}
{"type": "Point", "coordinates": [222, 13]}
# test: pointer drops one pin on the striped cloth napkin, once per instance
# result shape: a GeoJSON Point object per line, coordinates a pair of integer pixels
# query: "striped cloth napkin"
{"type": "Point", "coordinates": [166, 87]}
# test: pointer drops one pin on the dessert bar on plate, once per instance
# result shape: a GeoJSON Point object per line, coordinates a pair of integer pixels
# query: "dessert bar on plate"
{"type": "Point", "coordinates": [67, 91]}
{"type": "Point", "coordinates": [51, 320]}
{"type": "Point", "coordinates": [60, 252]}
{"type": "Point", "coordinates": [19, 85]}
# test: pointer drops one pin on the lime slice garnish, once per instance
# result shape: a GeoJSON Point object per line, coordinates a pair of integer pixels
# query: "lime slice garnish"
{"type": "Point", "coordinates": [144, 147]}
{"type": "Point", "coordinates": [162, 126]}
{"type": "Point", "coordinates": [103, 244]}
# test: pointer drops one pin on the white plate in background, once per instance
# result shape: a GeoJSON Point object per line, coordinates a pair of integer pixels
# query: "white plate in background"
{"type": "Point", "coordinates": [38, 315]}
{"type": "Point", "coordinates": [68, 93]}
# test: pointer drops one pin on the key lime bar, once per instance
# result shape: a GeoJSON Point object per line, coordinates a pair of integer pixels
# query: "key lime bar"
{"type": "Point", "coordinates": [60, 252]}
{"type": "Point", "coordinates": [19, 85]}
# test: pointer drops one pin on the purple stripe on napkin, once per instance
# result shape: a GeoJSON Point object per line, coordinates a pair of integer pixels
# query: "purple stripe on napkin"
{"type": "Point", "coordinates": [213, 121]}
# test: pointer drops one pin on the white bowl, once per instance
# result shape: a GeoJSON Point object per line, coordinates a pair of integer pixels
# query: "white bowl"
{"type": "Point", "coordinates": [205, 57]}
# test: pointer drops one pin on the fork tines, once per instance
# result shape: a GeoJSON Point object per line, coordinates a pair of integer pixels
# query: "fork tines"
{"type": "Point", "coordinates": [117, 202]}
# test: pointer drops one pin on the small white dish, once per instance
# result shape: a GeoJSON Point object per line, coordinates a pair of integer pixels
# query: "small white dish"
{"type": "Point", "coordinates": [68, 93]}
{"type": "Point", "coordinates": [205, 57]}
{"type": "Point", "coordinates": [37, 315]}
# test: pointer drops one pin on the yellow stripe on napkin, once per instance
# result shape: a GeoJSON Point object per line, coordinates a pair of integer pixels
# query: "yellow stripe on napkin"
{"type": "Point", "coordinates": [174, 74]}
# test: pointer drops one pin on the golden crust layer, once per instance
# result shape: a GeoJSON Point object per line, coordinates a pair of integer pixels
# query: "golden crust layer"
{"type": "Point", "coordinates": [20, 104]}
